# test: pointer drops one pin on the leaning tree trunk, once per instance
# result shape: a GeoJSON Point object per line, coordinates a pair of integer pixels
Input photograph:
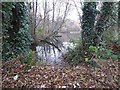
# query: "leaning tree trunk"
{"type": "Point", "coordinates": [103, 21]}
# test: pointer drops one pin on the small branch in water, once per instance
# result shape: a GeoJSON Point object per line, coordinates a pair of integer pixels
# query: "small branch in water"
{"type": "Point", "coordinates": [50, 43]}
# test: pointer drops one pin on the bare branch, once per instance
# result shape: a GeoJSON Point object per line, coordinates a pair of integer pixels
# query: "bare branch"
{"type": "Point", "coordinates": [80, 18]}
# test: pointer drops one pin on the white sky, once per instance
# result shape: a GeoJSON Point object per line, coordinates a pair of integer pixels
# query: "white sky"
{"type": "Point", "coordinates": [73, 15]}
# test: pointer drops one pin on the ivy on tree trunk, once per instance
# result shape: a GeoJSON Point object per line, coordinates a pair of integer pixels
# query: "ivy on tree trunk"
{"type": "Point", "coordinates": [88, 20]}
{"type": "Point", "coordinates": [104, 22]}
{"type": "Point", "coordinates": [15, 28]}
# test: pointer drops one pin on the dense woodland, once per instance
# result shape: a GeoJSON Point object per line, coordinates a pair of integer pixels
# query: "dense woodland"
{"type": "Point", "coordinates": [92, 63]}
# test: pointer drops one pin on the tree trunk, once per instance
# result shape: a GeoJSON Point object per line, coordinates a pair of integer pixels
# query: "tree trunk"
{"type": "Point", "coordinates": [102, 22]}
{"type": "Point", "coordinates": [33, 26]}
{"type": "Point", "coordinates": [119, 18]}
{"type": "Point", "coordinates": [88, 20]}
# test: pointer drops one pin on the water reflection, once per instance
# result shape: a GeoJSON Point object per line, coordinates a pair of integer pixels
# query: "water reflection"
{"type": "Point", "coordinates": [51, 55]}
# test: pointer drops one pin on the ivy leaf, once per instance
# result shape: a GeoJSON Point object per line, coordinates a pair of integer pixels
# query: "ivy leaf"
{"type": "Point", "coordinates": [86, 59]}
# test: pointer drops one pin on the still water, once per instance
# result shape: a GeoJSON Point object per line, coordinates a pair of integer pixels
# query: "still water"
{"type": "Point", "coordinates": [51, 55]}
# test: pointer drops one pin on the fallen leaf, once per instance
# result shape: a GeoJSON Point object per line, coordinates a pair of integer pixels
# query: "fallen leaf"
{"type": "Point", "coordinates": [15, 77]}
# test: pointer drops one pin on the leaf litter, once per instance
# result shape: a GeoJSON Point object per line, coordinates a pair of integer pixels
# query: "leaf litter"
{"type": "Point", "coordinates": [14, 75]}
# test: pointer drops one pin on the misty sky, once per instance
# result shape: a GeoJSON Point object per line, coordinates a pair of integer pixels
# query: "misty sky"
{"type": "Point", "coordinates": [73, 15]}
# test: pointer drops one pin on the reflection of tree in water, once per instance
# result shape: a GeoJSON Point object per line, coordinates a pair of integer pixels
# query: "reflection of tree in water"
{"type": "Point", "coordinates": [53, 56]}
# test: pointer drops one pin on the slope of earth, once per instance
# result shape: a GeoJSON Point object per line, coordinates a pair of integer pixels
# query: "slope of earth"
{"type": "Point", "coordinates": [14, 75]}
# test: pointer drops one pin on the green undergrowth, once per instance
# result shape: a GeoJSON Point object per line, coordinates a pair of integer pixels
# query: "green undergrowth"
{"type": "Point", "coordinates": [78, 55]}
{"type": "Point", "coordinates": [28, 59]}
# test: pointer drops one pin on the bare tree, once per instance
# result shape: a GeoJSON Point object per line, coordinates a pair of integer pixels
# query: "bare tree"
{"type": "Point", "coordinates": [33, 16]}
{"type": "Point", "coordinates": [78, 6]}
{"type": "Point", "coordinates": [54, 17]}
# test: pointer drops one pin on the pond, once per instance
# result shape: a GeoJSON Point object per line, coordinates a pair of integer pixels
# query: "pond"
{"type": "Point", "coordinates": [52, 56]}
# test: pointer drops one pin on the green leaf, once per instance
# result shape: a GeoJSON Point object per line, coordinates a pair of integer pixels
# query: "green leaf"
{"type": "Point", "coordinates": [92, 49]}
{"type": "Point", "coordinates": [109, 52]}
{"type": "Point", "coordinates": [114, 56]}
{"type": "Point", "coordinates": [86, 59]}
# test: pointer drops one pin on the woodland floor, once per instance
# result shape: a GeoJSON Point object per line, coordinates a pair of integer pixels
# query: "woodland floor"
{"type": "Point", "coordinates": [46, 76]}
